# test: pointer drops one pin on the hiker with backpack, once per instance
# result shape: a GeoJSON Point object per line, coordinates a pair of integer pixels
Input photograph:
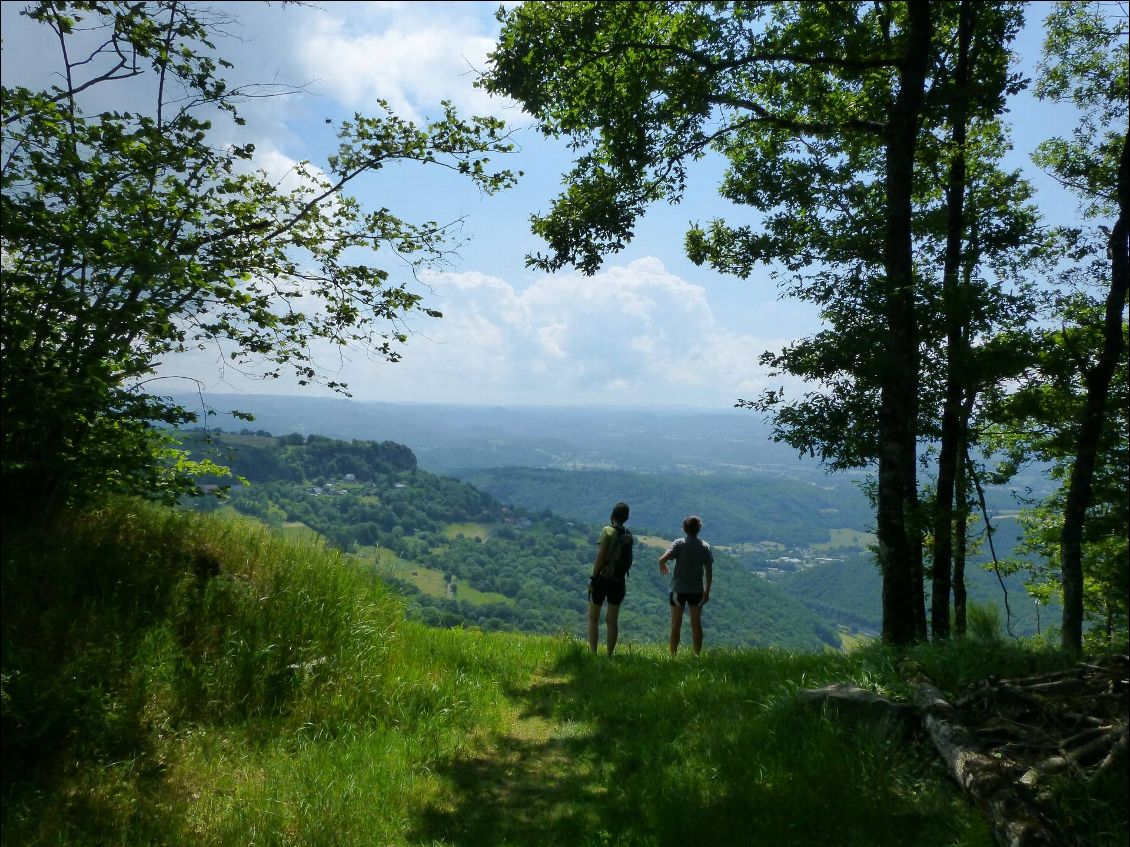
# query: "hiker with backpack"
{"type": "Point", "coordinates": [693, 562]}
{"type": "Point", "coordinates": [613, 561]}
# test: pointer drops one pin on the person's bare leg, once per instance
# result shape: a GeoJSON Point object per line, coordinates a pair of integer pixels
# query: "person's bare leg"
{"type": "Point", "coordinates": [612, 623]}
{"type": "Point", "coordinates": [696, 628]}
{"type": "Point", "coordinates": [676, 628]}
{"type": "Point", "coordinates": [594, 626]}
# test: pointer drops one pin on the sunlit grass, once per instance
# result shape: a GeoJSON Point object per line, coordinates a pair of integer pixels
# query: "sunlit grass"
{"type": "Point", "coordinates": [851, 538]}
{"type": "Point", "coordinates": [852, 640]}
{"type": "Point", "coordinates": [192, 680]}
{"type": "Point", "coordinates": [480, 531]}
{"type": "Point", "coordinates": [658, 542]}
{"type": "Point", "coordinates": [299, 531]}
{"type": "Point", "coordinates": [429, 581]}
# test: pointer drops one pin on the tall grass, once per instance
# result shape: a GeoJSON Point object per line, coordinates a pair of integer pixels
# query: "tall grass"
{"type": "Point", "coordinates": [984, 621]}
{"type": "Point", "coordinates": [172, 679]}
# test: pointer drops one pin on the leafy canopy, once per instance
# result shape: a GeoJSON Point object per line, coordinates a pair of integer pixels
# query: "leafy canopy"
{"type": "Point", "coordinates": [131, 235]}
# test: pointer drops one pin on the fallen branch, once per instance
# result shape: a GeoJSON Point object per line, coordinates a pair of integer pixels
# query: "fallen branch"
{"type": "Point", "coordinates": [1014, 817]}
{"type": "Point", "coordinates": [1001, 738]}
{"type": "Point", "coordinates": [1116, 752]}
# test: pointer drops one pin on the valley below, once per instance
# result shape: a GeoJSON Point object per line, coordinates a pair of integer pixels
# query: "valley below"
{"type": "Point", "coordinates": [508, 545]}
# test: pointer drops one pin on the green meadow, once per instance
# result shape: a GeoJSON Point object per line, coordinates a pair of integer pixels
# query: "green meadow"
{"type": "Point", "coordinates": [173, 678]}
{"type": "Point", "coordinates": [852, 538]}
{"type": "Point", "coordinates": [480, 531]}
{"type": "Point", "coordinates": [429, 581]}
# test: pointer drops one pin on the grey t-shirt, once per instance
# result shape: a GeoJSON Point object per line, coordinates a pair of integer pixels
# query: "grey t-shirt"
{"type": "Point", "coordinates": [691, 556]}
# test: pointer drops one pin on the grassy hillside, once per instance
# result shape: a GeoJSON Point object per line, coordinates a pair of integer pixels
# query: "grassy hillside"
{"type": "Point", "coordinates": [172, 679]}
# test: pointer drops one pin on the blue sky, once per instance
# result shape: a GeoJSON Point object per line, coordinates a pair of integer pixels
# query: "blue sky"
{"type": "Point", "coordinates": [650, 329]}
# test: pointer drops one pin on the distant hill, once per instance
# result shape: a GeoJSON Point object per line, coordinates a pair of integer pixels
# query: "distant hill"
{"type": "Point", "coordinates": [848, 592]}
{"type": "Point", "coordinates": [451, 438]}
{"type": "Point", "coordinates": [448, 437]}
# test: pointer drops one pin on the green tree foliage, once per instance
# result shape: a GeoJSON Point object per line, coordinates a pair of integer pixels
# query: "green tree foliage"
{"type": "Point", "coordinates": [831, 117]}
{"type": "Point", "coordinates": [1042, 422]}
{"type": "Point", "coordinates": [1071, 409]}
{"type": "Point", "coordinates": [294, 458]}
{"type": "Point", "coordinates": [130, 236]}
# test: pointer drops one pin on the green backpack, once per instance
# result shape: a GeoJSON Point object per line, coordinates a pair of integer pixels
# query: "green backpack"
{"type": "Point", "coordinates": [622, 560]}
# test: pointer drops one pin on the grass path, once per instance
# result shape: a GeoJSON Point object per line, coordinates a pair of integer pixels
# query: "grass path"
{"type": "Point", "coordinates": [533, 782]}
{"type": "Point", "coordinates": [591, 751]}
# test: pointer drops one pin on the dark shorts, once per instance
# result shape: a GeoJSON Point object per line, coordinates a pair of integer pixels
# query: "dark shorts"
{"type": "Point", "coordinates": [682, 599]}
{"type": "Point", "coordinates": [606, 588]}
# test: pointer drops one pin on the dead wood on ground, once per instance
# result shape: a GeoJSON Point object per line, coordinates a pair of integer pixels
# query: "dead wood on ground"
{"type": "Point", "coordinates": [1004, 739]}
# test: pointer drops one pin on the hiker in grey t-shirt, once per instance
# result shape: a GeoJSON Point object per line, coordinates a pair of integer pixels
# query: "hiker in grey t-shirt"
{"type": "Point", "coordinates": [693, 563]}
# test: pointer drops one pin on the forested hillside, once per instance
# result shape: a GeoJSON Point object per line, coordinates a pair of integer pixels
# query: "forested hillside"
{"type": "Point", "coordinates": [847, 592]}
{"type": "Point", "coordinates": [735, 509]}
{"type": "Point", "coordinates": [463, 557]}
{"type": "Point", "coordinates": [807, 540]}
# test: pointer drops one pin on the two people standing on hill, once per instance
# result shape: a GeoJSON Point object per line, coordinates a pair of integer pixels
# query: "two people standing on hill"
{"type": "Point", "coordinates": [690, 584]}
{"type": "Point", "coordinates": [613, 560]}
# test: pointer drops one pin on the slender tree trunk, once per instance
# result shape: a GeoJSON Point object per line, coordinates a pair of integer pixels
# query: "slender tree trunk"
{"type": "Point", "coordinates": [918, 573]}
{"type": "Point", "coordinates": [955, 361]}
{"type": "Point", "coordinates": [960, 524]}
{"type": "Point", "coordinates": [963, 495]}
{"type": "Point", "coordinates": [1097, 381]}
{"type": "Point", "coordinates": [899, 390]}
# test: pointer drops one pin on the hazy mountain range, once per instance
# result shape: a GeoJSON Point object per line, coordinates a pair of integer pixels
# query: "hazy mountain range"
{"type": "Point", "coordinates": [452, 438]}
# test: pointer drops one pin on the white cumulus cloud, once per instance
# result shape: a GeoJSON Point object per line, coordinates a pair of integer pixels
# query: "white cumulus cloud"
{"type": "Point", "coordinates": [633, 334]}
{"type": "Point", "coordinates": [411, 61]}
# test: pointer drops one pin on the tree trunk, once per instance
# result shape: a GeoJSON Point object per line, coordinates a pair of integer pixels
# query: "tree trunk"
{"type": "Point", "coordinates": [1097, 381]}
{"type": "Point", "coordinates": [899, 390]}
{"type": "Point", "coordinates": [960, 522]}
{"type": "Point", "coordinates": [961, 512]}
{"type": "Point", "coordinates": [955, 361]}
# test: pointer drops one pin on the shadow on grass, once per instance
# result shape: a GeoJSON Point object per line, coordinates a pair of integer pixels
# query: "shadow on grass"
{"type": "Point", "coordinates": [645, 750]}
{"type": "Point", "coordinates": [528, 792]}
